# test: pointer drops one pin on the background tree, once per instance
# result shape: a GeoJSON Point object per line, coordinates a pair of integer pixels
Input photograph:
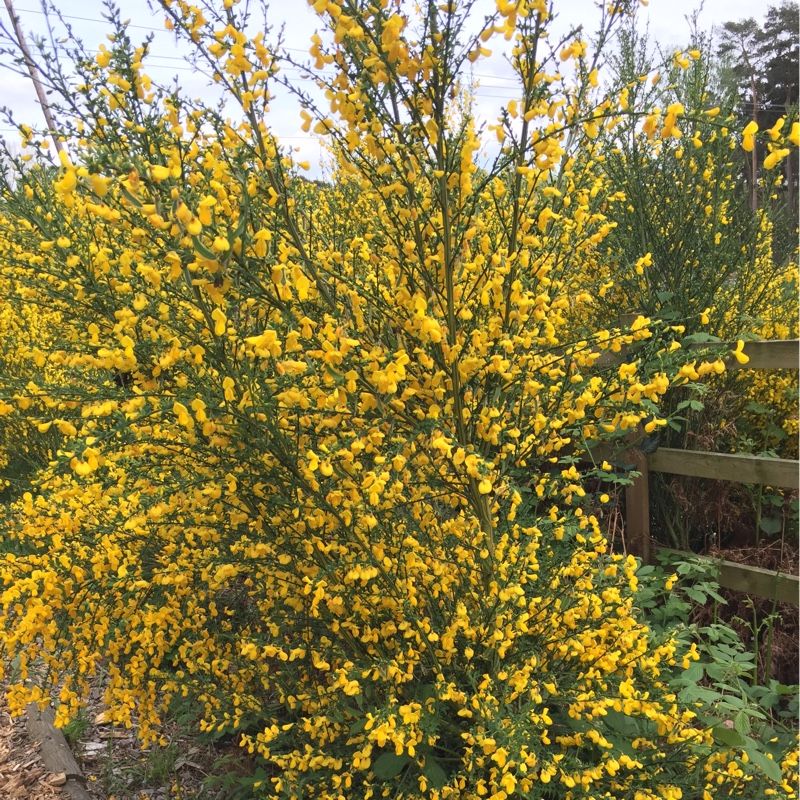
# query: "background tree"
{"type": "Point", "coordinates": [761, 62]}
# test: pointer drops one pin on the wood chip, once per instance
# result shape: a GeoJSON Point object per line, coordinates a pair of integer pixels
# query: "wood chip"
{"type": "Point", "coordinates": [114, 734]}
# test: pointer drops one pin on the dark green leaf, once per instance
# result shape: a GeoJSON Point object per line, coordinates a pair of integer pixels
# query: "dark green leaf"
{"type": "Point", "coordinates": [728, 736]}
{"type": "Point", "coordinates": [390, 765]}
{"type": "Point", "coordinates": [436, 776]}
{"type": "Point", "coordinates": [622, 744]}
{"type": "Point", "coordinates": [622, 724]}
{"type": "Point", "coordinates": [770, 525]}
{"type": "Point", "coordinates": [357, 727]}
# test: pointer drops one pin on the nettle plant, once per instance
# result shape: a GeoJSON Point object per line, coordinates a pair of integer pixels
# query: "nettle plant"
{"type": "Point", "coordinates": [318, 471]}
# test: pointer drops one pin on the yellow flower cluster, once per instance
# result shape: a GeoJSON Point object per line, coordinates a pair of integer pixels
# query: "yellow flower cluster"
{"type": "Point", "coordinates": [317, 467]}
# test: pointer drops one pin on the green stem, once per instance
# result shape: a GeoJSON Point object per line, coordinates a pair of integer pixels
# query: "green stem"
{"type": "Point", "coordinates": [770, 629]}
{"type": "Point", "coordinates": [755, 645]}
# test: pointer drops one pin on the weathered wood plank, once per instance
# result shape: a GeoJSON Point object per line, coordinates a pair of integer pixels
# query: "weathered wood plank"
{"type": "Point", "coordinates": [727, 467]}
{"type": "Point", "coordinates": [751, 580]}
{"type": "Point", "coordinates": [769, 354]}
{"type": "Point", "coordinates": [54, 750]}
{"type": "Point", "coordinates": [761, 582]}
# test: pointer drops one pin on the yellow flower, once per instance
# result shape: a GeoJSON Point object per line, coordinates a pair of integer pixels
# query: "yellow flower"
{"type": "Point", "coordinates": [739, 354]}
{"type": "Point", "coordinates": [748, 136]}
{"type": "Point", "coordinates": [775, 156]}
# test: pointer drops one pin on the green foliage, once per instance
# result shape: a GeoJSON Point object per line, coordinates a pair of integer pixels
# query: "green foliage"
{"type": "Point", "coordinates": [743, 714]}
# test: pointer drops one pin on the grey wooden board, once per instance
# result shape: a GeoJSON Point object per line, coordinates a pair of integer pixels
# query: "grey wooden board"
{"type": "Point", "coordinates": [769, 354]}
{"type": "Point", "coordinates": [54, 750]}
{"type": "Point", "coordinates": [751, 580]}
{"type": "Point", "coordinates": [727, 467]}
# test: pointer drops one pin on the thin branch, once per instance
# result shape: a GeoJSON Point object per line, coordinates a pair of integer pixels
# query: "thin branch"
{"type": "Point", "coordinates": [34, 73]}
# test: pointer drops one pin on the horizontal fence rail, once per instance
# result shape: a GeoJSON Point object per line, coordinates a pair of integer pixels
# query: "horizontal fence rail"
{"type": "Point", "coordinates": [750, 580]}
{"type": "Point", "coordinates": [781, 472]}
{"type": "Point", "coordinates": [769, 354]}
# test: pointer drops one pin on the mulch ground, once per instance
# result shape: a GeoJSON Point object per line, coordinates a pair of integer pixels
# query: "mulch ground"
{"type": "Point", "coordinates": [111, 761]}
{"type": "Point", "coordinates": [22, 771]}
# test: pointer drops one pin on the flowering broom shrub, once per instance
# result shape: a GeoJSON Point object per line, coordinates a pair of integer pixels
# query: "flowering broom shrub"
{"type": "Point", "coordinates": [318, 462]}
{"type": "Point", "coordinates": [23, 328]}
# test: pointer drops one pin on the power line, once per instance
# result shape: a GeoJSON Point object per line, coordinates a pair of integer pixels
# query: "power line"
{"type": "Point", "coordinates": [87, 19]}
{"type": "Point", "coordinates": [178, 58]}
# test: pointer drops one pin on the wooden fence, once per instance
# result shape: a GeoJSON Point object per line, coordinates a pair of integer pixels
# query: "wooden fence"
{"type": "Point", "coordinates": [778, 354]}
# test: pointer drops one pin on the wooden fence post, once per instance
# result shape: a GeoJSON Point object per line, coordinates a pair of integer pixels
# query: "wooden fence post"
{"type": "Point", "coordinates": [637, 507]}
{"type": "Point", "coordinates": [637, 495]}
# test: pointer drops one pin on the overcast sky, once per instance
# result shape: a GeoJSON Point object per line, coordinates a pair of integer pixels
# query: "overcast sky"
{"type": "Point", "coordinates": [666, 18]}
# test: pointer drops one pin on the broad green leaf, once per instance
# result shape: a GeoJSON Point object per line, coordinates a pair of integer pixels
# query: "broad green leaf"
{"type": "Point", "coordinates": [622, 744]}
{"type": "Point", "coordinates": [742, 723]}
{"type": "Point", "coordinates": [770, 525]}
{"type": "Point", "coordinates": [769, 700]}
{"type": "Point", "coordinates": [390, 765]}
{"type": "Point", "coordinates": [694, 693]}
{"type": "Point", "coordinates": [436, 776]}
{"type": "Point", "coordinates": [622, 724]}
{"type": "Point", "coordinates": [728, 736]}
{"type": "Point", "coordinates": [766, 765]}
{"type": "Point", "coordinates": [694, 674]}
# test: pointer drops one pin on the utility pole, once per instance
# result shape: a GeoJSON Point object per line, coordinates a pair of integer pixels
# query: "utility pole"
{"type": "Point", "coordinates": [34, 73]}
